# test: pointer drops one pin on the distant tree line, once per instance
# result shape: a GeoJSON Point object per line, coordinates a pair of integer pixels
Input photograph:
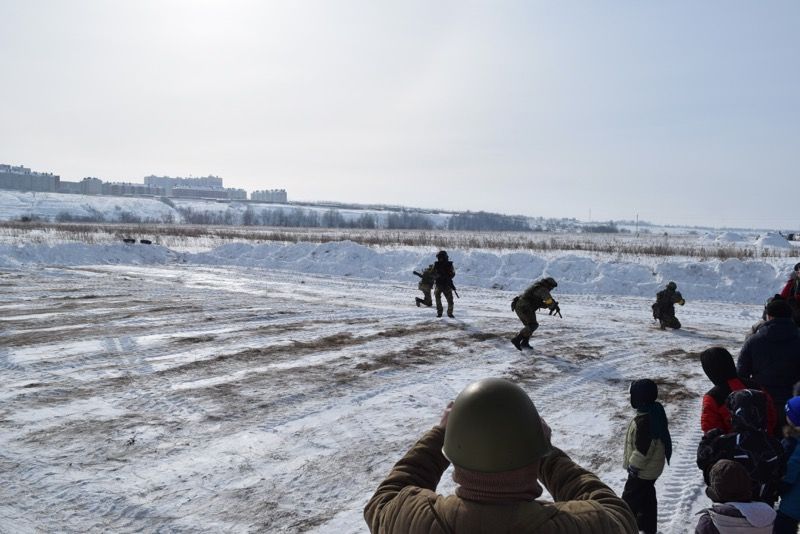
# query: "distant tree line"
{"type": "Point", "coordinates": [481, 220]}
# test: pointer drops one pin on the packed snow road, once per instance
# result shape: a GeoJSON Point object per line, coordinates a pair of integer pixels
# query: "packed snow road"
{"type": "Point", "coordinates": [199, 399]}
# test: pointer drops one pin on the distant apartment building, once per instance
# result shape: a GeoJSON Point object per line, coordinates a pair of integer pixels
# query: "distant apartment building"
{"type": "Point", "coordinates": [167, 182]}
{"type": "Point", "coordinates": [128, 189]}
{"type": "Point", "coordinates": [277, 196]}
{"type": "Point", "coordinates": [21, 178]}
{"type": "Point", "coordinates": [202, 187]}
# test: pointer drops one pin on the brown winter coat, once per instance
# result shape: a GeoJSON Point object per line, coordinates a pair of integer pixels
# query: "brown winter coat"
{"type": "Point", "coordinates": [406, 502]}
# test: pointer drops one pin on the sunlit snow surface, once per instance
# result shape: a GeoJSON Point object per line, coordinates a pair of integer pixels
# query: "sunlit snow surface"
{"type": "Point", "coordinates": [187, 393]}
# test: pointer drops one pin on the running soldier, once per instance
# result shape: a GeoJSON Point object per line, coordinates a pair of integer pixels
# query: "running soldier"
{"type": "Point", "coordinates": [444, 274]}
{"type": "Point", "coordinates": [525, 305]}
{"type": "Point", "coordinates": [428, 277]}
{"type": "Point", "coordinates": [664, 307]}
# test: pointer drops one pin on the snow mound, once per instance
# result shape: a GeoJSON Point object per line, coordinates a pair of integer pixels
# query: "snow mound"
{"type": "Point", "coordinates": [730, 237]}
{"type": "Point", "coordinates": [772, 240]}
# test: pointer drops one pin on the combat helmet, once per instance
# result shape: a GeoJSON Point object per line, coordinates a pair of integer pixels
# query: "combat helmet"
{"type": "Point", "coordinates": [494, 427]}
{"type": "Point", "coordinates": [550, 282]}
{"type": "Point", "coordinates": [441, 255]}
{"type": "Point", "coordinates": [672, 285]}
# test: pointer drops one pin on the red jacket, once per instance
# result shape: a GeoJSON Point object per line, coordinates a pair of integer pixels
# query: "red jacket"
{"type": "Point", "coordinates": [716, 415]}
{"type": "Point", "coordinates": [792, 289]}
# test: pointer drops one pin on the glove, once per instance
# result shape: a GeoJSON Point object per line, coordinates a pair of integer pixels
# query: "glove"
{"type": "Point", "coordinates": [633, 471]}
{"type": "Point", "coordinates": [681, 302]}
{"type": "Point", "coordinates": [514, 303]}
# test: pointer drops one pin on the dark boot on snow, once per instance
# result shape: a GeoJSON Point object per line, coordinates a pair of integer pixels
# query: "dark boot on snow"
{"type": "Point", "coordinates": [525, 344]}
{"type": "Point", "coordinates": [450, 314]}
{"type": "Point", "coordinates": [517, 341]}
{"type": "Point", "coordinates": [419, 301]}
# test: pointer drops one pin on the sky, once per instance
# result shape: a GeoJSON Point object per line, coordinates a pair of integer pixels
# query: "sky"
{"type": "Point", "coordinates": [678, 113]}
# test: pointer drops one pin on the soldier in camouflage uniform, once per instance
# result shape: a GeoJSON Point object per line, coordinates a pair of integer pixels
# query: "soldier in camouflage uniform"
{"type": "Point", "coordinates": [664, 307]}
{"type": "Point", "coordinates": [428, 277]}
{"type": "Point", "coordinates": [445, 272]}
{"type": "Point", "coordinates": [535, 297]}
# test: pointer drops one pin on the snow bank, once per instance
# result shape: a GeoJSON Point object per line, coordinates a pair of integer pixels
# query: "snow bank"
{"type": "Point", "coordinates": [730, 280]}
{"type": "Point", "coordinates": [772, 240]}
{"type": "Point", "coordinates": [17, 204]}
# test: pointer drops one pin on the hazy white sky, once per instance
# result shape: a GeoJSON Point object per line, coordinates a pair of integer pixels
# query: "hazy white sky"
{"type": "Point", "coordinates": [681, 112]}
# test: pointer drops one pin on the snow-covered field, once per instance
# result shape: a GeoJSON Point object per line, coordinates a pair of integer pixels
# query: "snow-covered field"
{"type": "Point", "coordinates": [270, 388]}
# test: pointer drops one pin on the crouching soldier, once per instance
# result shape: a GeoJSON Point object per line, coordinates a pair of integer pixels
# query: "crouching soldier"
{"type": "Point", "coordinates": [501, 451]}
{"type": "Point", "coordinates": [427, 278]}
{"type": "Point", "coordinates": [664, 307]}
{"type": "Point", "coordinates": [535, 297]}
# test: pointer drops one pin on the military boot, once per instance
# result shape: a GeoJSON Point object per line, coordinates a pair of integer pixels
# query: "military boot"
{"type": "Point", "coordinates": [450, 314]}
{"type": "Point", "coordinates": [526, 344]}
{"type": "Point", "coordinates": [419, 301]}
{"type": "Point", "coordinates": [517, 342]}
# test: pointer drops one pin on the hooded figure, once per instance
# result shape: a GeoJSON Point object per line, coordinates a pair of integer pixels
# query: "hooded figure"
{"type": "Point", "coordinates": [789, 509]}
{"type": "Point", "coordinates": [648, 446]}
{"type": "Point", "coordinates": [720, 369]}
{"type": "Point", "coordinates": [791, 292]}
{"type": "Point", "coordinates": [771, 356]}
{"type": "Point", "coordinates": [748, 444]}
{"type": "Point", "coordinates": [732, 511]}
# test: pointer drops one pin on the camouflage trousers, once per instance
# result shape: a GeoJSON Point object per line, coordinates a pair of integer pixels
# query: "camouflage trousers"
{"type": "Point", "coordinates": [448, 294]}
{"type": "Point", "coordinates": [426, 293]}
{"type": "Point", "coordinates": [668, 321]}
{"type": "Point", "coordinates": [528, 318]}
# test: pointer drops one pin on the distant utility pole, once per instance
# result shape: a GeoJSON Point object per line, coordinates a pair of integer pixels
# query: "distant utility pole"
{"type": "Point", "coordinates": [637, 225]}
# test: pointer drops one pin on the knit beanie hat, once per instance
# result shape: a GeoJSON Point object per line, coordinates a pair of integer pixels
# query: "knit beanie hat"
{"type": "Point", "coordinates": [778, 307]}
{"type": "Point", "coordinates": [729, 482]}
{"type": "Point", "coordinates": [792, 409]}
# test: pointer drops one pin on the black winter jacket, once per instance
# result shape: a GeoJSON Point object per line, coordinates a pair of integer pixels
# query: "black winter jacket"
{"type": "Point", "coordinates": [771, 357]}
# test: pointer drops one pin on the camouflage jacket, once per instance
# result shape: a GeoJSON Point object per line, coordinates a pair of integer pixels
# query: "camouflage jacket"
{"type": "Point", "coordinates": [444, 272]}
{"type": "Point", "coordinates": [407, 502]}
{"type": "Point", "coordinates": [535, 297]}
{"type": "Point", "coordinates": [428, 278]}
{"type": "Point", "coordinates": [666, 299]}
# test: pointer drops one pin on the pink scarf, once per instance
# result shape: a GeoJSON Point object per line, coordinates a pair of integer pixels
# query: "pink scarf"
{"type": "Point", "coordinates": [507, 486]}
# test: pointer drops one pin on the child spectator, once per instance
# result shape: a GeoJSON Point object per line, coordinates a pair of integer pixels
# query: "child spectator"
{"type": "Point", "coordinates": [749, 444]}
{"type": "Point", "coordinates": [647, 446]}
{"type": "Point", "coordinates": [732, 511]}
{"type": "Point", "coordinates": [789, 509]}
{"type": "Point", "coordinates": [720, 369]}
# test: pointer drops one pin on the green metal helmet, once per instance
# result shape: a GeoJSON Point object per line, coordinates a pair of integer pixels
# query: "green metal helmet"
{"type": "Point", "coordinates": [551, 282]}
{"type": "Point", "coordinates": [494, 427]}
{"type": "Point", "coordinates": [442, 255]}
{"type": "Point", "coordinates": [672, 285]}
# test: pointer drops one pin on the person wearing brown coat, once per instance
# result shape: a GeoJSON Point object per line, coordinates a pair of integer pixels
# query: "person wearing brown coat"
{"type": "Point", "coordinates": [501, 450]}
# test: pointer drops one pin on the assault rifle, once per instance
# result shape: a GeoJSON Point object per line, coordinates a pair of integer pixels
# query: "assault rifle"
{"type": "Point", "coordinates": [418, 274]}
{"type": "Point", "coordinates": [555, 310]}
{"type": "Point", "coordinates": [451, 284]}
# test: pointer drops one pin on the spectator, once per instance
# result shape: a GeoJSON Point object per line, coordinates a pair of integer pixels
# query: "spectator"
{"type": "Point", "coordinates": [719, 368]}
{"type": "Point", "coordinates": [647, 446]}
{"type": "Point", "coordinates": [789, 509]}
{"type": "Point", "coordinates": [500, 449]}
{"type": "Point", "coordinates": [732, 510]}
{"type": "Point", "coordinates": [771, 356]}
{"type": "Point", "coordinates": [791, 292]}
{"type": "Point", "coordinates": [749, 444]}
